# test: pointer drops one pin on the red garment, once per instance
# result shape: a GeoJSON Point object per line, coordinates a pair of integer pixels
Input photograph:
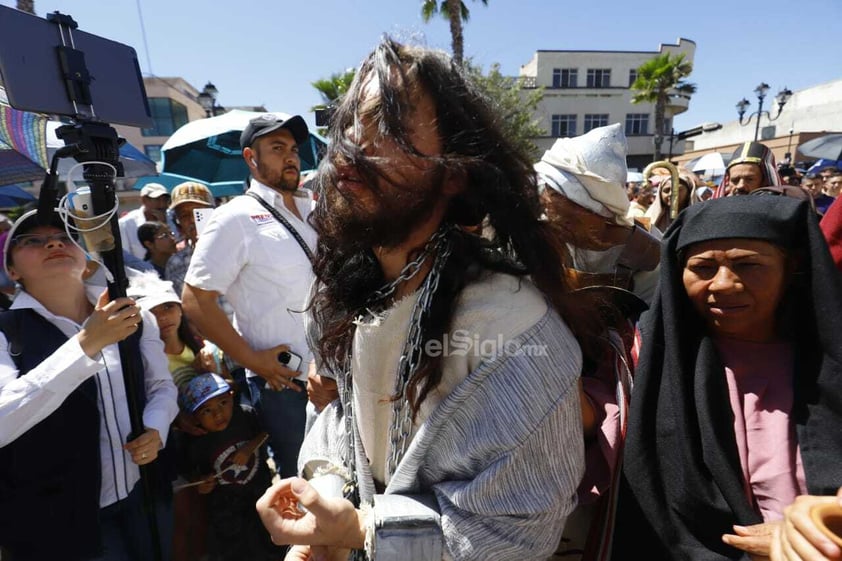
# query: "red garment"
{"type": "Point", "coordinates": [831, 225]}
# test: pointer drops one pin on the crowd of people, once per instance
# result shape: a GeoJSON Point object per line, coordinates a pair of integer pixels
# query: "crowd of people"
{"type": "Point", "coordinates": [444, 351]}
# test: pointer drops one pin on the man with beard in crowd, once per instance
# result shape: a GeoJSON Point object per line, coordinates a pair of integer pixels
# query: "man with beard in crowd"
{"type": "Point", "coordinates": [458, 431]}
{"type": "Point", "coordinates": [256, 250]}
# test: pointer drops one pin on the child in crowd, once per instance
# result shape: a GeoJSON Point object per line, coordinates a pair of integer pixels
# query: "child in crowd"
{"type": "Point", "coordinates": [187, 353]}
{"type": "Point", "coordinates": [186, 357]}
{"type": "Point", "coordinates": [159, 242]}
{"type": "Point", "coordinates": [228, 464]}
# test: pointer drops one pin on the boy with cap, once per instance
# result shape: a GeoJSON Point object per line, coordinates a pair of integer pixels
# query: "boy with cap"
{"type": "Point", "coordinates": [229, 465]}
{"type": "Point", "coordinates": [154, 199]}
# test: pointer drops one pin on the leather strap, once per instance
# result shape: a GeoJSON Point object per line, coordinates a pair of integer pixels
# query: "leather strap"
{"type": "Point", "coordinates": [285, 223]}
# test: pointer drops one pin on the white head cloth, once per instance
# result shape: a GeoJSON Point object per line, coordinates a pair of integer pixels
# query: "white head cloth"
{"type": "Point", "coordinates": [591, 171]}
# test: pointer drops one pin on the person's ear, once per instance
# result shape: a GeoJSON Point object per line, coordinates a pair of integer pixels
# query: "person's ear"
{"type": "Point", "coordinates": [13, 275]}
{"type": "Point", "coordinates": [250, 157]}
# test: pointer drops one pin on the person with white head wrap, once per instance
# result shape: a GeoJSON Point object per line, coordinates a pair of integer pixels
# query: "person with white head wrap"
{"type": "Point", "coordinates": [591, 171]}
{"type": "Point", "coordinates": [609, 248]}
{"type": "Point", "coordinates": [582, 182]}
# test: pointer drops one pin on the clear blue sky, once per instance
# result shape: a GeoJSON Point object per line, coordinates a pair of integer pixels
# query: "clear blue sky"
{"type": "Point", "coordinates": [269, 51]}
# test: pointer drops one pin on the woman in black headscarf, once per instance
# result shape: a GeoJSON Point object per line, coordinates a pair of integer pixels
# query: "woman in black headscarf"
{"type": "Point", "coordinates": [737, 404]}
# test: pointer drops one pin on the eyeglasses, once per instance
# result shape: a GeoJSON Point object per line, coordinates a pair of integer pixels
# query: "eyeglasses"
{"type": "Point", "coordinates": [38, 241]}
{"type": "Point", "coordinates": [163, 235]}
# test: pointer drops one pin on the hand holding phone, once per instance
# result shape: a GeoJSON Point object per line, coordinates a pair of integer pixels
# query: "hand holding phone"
{"type": "Point", "coordinates": [290, 360]}
{"type": "Point", "coordinates": [200, 218]}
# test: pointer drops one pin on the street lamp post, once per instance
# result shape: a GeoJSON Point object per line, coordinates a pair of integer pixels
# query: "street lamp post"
{"type": "Point", "coordinates": [695, 131]}
{"type": "Point", "coordinates": [207, 99]}
{"type": "Point", "coordinates": [788, 155]}
{"type": "Point", "coordinates": [761, 90]}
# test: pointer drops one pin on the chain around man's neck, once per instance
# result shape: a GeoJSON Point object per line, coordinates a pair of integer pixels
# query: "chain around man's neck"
{"type": "Point", "coordinates": [410, 269]}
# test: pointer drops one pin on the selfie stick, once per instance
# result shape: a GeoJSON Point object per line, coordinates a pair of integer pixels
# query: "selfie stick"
{"type": "Point", "coordinates": [90, 141]}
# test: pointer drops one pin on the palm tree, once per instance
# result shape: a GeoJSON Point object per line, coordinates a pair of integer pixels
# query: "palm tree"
{"type": "Point", "coordinates": [658, 80]}
{"type": "Point", "coordinates": [331, 89]}
{"type": "Point", "coordinates": [454, 11]}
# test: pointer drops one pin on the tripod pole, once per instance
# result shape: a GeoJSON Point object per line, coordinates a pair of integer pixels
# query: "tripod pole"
{"type": "Point", "coordinates": [102, 144]}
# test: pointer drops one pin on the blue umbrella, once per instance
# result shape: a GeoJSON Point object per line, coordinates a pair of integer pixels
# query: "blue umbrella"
{"type": "Point", "coordinates": [828, 147]}
{"type": "Point", "coordinates": [208, 150]}
{"type": "Point", "coordinates": [12, 196]}
{"type": "Point", "coordinates": [822, 163]}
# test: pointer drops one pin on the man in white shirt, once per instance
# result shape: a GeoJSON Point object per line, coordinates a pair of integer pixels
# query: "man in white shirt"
{"type": "Point", "coordinates": [154, 200]}
{"type": "Point", "coordinates": [263, 268]}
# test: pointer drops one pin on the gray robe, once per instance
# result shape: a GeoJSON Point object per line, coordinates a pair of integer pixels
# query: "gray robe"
{"type": "Point", "coordinates": [492, 472]}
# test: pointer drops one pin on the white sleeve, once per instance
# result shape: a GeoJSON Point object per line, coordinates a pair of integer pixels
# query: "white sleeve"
{"type": "Point", "coordinates": [221, 251]}
{"type": "Point", "coordinates": [161, 393]}
{"type": "Point", "coordinates": [27, 400]}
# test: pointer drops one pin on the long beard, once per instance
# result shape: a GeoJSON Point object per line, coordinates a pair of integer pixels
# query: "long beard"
{"type": "Point", "coordinates": [395, 216]}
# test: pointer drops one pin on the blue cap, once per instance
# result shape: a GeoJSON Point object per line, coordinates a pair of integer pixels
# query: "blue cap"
{"type": "Point", "coordinates": [200, 389]}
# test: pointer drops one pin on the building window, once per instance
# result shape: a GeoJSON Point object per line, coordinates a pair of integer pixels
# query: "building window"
{"type": "Point", "coordinates": [563, 126]}
{"type": "Point", "coordinates": [637, 124]}
{"type": "Point", "coordinates": [632, 76]}
{"type": "Point", "coordinates": [565, 77]}
{"type": "Point", "coordinates": [167, 116]}
{"type": "Point", "coordinates": [599, 77]}
{"type": "Point", "coordinates": [594, 120]}
{"type": "Point", "coordinates": [153, 152]}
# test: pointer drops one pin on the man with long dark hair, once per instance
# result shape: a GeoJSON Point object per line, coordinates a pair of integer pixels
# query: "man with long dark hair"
{"type": "Point", "coordinates": [458, 432]}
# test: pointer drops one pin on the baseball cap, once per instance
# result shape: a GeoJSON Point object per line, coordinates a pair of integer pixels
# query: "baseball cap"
{"type": "Point", "coordinates": [153, 190]}
{"type": "Point", "coordinates": [191, 192]}
{"type": "Point", "coordinates": [149, 290]}
{"type": "Point", "coordinates": [24, 224]}
{"type": "Point", "coordinates": [200, 389]}
{"type": "Point", "coordinates": [270, 122]}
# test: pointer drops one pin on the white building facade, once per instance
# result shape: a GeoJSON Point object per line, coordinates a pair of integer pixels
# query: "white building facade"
{"type": "Point", "coordinates": [809, 113]}
{"type": "Point", "coordinates": [588, 89]}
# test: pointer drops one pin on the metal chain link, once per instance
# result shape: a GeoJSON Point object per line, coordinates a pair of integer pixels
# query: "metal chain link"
{"type": "Point", "coordinates": [401, 425]}
{"type": "Point", "coordinates": [410, 360]}
{"type": "Point", "coordinates": [410, 269]}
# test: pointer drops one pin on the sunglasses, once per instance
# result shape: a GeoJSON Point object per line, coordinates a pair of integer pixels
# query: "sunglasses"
{"type": "Point", "coordinates": [163, 235]}
{"type": "Point", "coordinates": [38, 241]}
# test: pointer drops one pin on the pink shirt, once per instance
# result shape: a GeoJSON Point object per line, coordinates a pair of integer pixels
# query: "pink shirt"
{"type": "Point", "coordinates": [759, 379]}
